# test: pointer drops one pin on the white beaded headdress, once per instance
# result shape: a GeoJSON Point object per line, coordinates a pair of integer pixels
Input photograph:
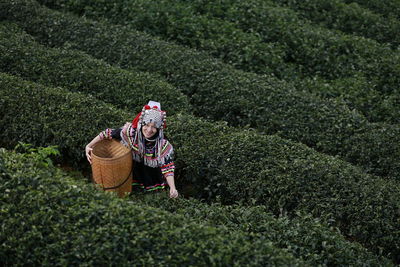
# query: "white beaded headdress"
{"type": "Point", "coordinates": [150, 113]}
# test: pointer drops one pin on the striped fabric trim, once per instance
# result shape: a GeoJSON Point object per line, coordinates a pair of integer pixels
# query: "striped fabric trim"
{"type": "Point", "coordinates": [168, 165]}
{"type": "Point", "coordinates": [155, 187]}
{"type": "Point", "coordinates": [149, 188]}
{"type": "Point", "coordinates": [166, 149]}
{"type": "Point", "coordinates": [128, 136]}
{"type": "Point", "coordinates": [136, 183]}
{"type": "Point", "coordinates": [171, 169]}
{"type": "Point", "coordinates": [168, 169]}
{"type": "Point", "coordinates": [106, 134]}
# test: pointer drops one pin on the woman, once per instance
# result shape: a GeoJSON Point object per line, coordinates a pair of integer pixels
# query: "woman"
{"type": "Point", "coordinates": [152, 152]}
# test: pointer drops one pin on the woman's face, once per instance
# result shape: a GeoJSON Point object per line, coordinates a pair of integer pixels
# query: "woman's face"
{"type": "Point", "coordinates": [149, 130]}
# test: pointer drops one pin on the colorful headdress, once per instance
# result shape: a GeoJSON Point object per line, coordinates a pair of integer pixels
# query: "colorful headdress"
{"type": "Point", "coordinates": [150, 113]}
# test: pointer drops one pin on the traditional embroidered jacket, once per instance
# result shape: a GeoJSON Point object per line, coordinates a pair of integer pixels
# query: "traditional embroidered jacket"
{"type": "Point", "coordinates": [151, 167]}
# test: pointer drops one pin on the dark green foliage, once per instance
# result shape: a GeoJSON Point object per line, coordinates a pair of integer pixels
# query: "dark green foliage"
{"type": "Point", "coordinates": [77, 215]}
{"type": "Point", "coordinates": [54, 220]}
{"type": "Point", "coordinates": [388, 8]}
{"type": "Point", "coordinates": [328, 55]}
{"type": "Point", "coordinates": [370, 146]}
{"type": "Point", "coordinates": [287, 177]}
{"type": "Point", "coordinates": [350, 18]}
{"type": "Point", "coordinates": [51, 219]}
{"type": "Point", "coordinates": [177, 21]}
{"type": "Point", "coordinates": [358, 93]}
{"type": "Point", "coordinates": [303, 236]}
{"type": "Point", "coordinates": [76, 71]}
{"type": "Point", "coordinates": [33, 113]}
{"type": "Point", "coordinates": [216, 91]}
{"type": "Point", "coordinates": [218, 161]}
{"type": "Point", "coordinates": [305, 44]}
{"type": "Point", "coordinates": [317, 50]}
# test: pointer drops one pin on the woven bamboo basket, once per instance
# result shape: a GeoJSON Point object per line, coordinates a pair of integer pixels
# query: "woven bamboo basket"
{"type": "Point", "coordinates": [112, 167]}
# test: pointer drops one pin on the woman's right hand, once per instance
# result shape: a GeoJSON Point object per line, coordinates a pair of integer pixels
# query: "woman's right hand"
{"type": "Point", "coordinates": [88, 150]}
{"type": "Point", "coordinates": [173, 193]}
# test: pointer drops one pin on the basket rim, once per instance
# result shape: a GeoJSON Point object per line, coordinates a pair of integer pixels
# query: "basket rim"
{"type": "Point", "coordinates": [128, 151]}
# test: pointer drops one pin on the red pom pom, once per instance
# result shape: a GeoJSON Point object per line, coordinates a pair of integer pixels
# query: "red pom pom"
{"type": "Point", "coordinates": [146, 107]}
{"type": "Point", "coordinates": [136, 120]}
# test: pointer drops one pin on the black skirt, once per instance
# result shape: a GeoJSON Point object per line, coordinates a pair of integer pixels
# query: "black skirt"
{"type": "Point", "coordinates": [147, 179]}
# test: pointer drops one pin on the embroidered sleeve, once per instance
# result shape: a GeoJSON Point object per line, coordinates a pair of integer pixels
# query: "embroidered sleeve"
{"type": "Point", "coordinates": [127, 135]}
{"type": "Point", "coordinates": [168, 169]}
{"type": "Point", "coordinates": [106, 134]}
{"type": "Point", "coordinates": [167, 152]}
{"type": "Point", "coordinates": [111, 134]}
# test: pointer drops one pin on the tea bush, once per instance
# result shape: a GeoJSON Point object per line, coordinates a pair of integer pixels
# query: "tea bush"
{"type": "Point", "coordinates": [288, 177]}
{"type": "Point", "coordinates": [216, 91]}
{"type": "Point", "coordinates": [389, 8]}
{"type": "Point", "coordinates": [358, 93]}
{"type": "Point", "coordinates": [36, 114]}
{"type": "Point", "coordinates": [317, 50]}
{"type": "Point", "coordinates": [350, 18]}
{"type": "Point", "coordinates": [76, 71]}
{"type": "Point", "coordinates": [218, 161]}
{"type": "Point", "coordinates": [178, 21]}
{"type": "Point", "coordinates": [306, 238]}
{"type": "Point", "coordinates": [348, 51]}
{"type": "Point", "coordinates": [320, 52]}
{"type": "Point", "coordinates": [49, 218]}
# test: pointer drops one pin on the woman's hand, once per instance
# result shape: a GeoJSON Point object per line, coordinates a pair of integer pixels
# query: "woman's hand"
{"type": "Point", "coordinates": [88, 150]}
{"type": "Point", "coordinates": [173, 193]}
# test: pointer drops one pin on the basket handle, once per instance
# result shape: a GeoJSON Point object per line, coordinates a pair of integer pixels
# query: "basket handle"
{"type": "Point", "coordinates": [115, 187]}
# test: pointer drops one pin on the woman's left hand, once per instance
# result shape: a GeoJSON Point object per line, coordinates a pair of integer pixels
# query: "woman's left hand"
{"type": "Point", "coordinates": [173, 193]}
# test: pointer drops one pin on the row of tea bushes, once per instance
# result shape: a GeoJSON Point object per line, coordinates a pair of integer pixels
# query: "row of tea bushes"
{"type": "Point", "coordinates": [388, 8]}
{"type": "Point", "coordinates": [287, 177]}
{"type": "Point", "coordinates": [178, 21]}
{"type": "Point", "coordinates": [358, 93]}
{"type": "Point", "coordinates": [49, 218]}
{"type": "Point", "coordinates": [41, 116]}
{"type": "Point", "coordinates": [218, 91]}
{"type": "Point", "coordinates": [306, 238]}
{"type": "Point", "coordinates": [349, 18]}
{"type": "Point", "coordinates": [218, 161]}
{"type": "Point", "coordinates": [336, 55]}
{"type": "Point", "coordinates": [318, 50]}
{"type": "Point", "coordinates": [21, 55]}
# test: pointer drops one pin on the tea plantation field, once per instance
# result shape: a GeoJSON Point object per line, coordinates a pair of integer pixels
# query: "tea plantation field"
{"type": "Point", "coordinates": [284, 116]}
